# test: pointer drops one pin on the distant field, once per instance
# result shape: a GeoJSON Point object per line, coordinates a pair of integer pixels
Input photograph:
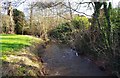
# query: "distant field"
{"type": "Point", "coordinates": [12, 42]}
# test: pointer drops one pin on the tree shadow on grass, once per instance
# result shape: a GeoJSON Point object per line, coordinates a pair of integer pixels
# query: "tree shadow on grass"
{"type": "Point", "coordinates": [7, 34]}
{"type": "Point", "coordinates": [19, 39]}
{"type": "Point", "coordinates": [13, 46]}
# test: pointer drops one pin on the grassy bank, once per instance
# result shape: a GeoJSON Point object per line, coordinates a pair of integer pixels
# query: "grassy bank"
{"type": "Point", "coordinates": [12, 43]}
{"type": "Point", "coordinates": [17, 57]}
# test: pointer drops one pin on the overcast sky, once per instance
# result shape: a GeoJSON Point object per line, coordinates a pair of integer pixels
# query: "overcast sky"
{"type": "Point", "coordinates": [89, 12]}
{"type": "Point", "coordinates": [82, 9]}
{"type": "Point", "coordinates": [21, 7]}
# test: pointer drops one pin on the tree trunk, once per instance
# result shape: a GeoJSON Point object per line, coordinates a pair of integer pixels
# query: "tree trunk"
{"type": "Point", "coordinates": [107, 15]}
{"type": "Point", "coordinates": [31, 18]}
{"type": "Point", "coordinates": [10, 12]}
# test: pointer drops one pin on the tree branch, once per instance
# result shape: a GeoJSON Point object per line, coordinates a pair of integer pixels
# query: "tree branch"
{"type": "Point", "coordinates": [59, 15]}
{"type": "Point", "coordinates": [20, 3]}
{"type": "Point", "coordinates": [77, 11]}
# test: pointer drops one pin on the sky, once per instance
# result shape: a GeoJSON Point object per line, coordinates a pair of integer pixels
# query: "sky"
{"type": "Point", "coordinates": [82, 9]}
{"type": "Point", "coordinates": [21, 7]}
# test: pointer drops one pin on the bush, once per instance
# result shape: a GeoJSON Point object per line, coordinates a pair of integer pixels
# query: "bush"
{"type": "Point", "coordinates": [65, 32]}
{"type": "Point", "coordinates": [80, 22]}
{"type": "Point", "coordinates": [82, 43]}
{"type": "Point", "coordinates": [61, 32]}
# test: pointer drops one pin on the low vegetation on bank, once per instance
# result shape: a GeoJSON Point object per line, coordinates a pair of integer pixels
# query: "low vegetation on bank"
{"type": "Point", "coordinates": [19, 55]}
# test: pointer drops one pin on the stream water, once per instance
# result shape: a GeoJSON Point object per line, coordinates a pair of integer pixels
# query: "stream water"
{"type": "Point", "coordinates": [61, 60]}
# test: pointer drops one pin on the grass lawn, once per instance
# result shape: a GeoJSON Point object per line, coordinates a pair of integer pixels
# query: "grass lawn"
{"type": "Point", "coordinates": [12, 42]}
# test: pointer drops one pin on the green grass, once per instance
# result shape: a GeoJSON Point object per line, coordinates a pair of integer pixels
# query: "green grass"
{"type": "Point", "coordinates": [13, 43]}
{"type": "Point", "coordinates": [15, 54]}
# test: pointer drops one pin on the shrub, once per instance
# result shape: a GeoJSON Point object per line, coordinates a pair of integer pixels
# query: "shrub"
{"type": "Point", "coordinates": [66, 32]}
{"type": "Point", "coordinates": [61, 32]}
{"type": "Point", "coordinates": [80, 22]}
